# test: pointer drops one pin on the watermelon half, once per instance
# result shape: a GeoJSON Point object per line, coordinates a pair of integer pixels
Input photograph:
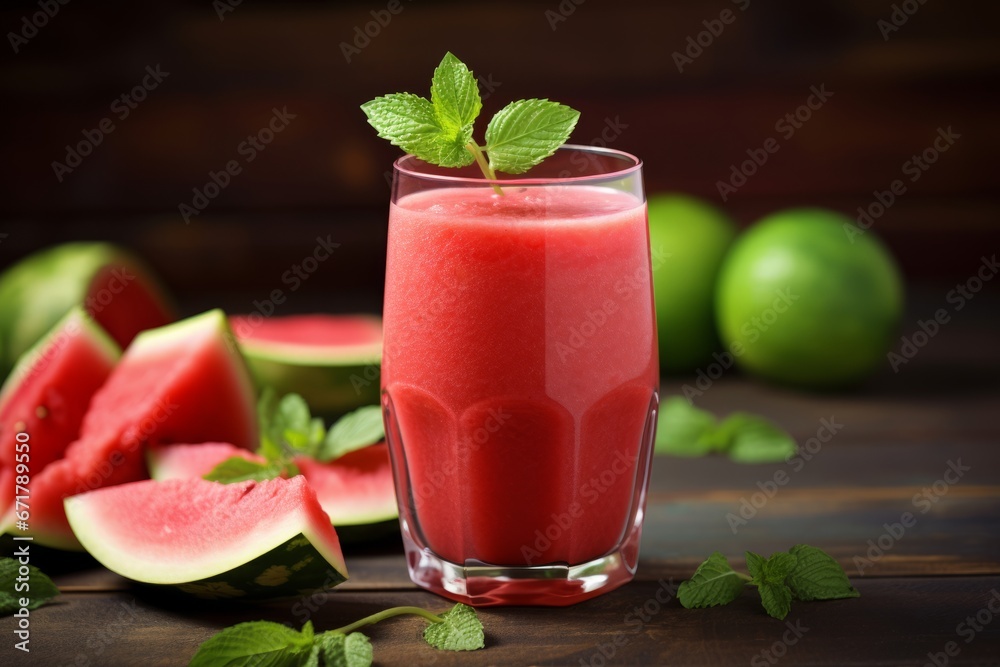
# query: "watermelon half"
{"type": "Point", "coordinates": [43, 401]}
{"type": "Point", "coordinates": [185, 382]}
{"type": "Point", "coordinates": [246, 540]}
{"type": "Point", "coordinates": [355, 490]}
{"type": "Point", "coordinates": [332, 361]}
{"type": "Point", "coordinates": [111, 284]}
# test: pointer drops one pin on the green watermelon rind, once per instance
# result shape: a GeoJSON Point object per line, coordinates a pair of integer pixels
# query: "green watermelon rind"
{"type": "Point", "coordinates": [293, 568]}
{"type": "Point", "coordinates": [333, 379]}
{"type": "Point", "coordinates": [36, 292]}
{"type": "Point", "coordinates": [100, 341]}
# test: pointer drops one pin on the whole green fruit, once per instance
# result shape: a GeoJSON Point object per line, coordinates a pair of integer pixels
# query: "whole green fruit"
{"type": "Point", "coordinates": [806, 298]}
{"type": "Point", "coordinates": [688, 239]}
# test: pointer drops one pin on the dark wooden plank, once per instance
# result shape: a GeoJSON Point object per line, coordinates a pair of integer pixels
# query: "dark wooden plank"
{"type": "Point", "coordinates": [895, 621]}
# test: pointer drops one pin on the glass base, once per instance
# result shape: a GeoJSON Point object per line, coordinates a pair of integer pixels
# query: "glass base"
{"type": "Point", "coordinates": [558, 585]}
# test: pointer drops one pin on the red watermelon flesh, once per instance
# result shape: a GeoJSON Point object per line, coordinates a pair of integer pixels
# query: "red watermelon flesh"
{"type": "Point", "coordinates": [125, 301]}
{"type": "Point", "coordinates": [46, 395]}
{"type": "Point", "coordinates": [184, 382]}
{"type": "Point", "coordinates": [356, 488]}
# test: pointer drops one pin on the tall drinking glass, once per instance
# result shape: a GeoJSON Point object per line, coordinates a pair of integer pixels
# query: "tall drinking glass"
{"type": "Point", "coordinates": [519, 376]}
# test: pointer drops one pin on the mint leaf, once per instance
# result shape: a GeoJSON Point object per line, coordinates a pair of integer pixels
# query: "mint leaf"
{"type": "Point", "coordinates": [525, 132]}
{"type": "Point", "coordinates": [239, 469]}
{"type": "Point", "coordinates": [270, 442]}
{"type": "Point", "coordinates": [769, 577]}
{"type": "Point", "coordinates": [817, 576]}
{"type": "Point", "coordinates": [681, 427]}
{"type": "Point", "coordinates": [40, 587]}
{"type": "Point", "coordinates": [411, 122]}
{"type": "Point", "coordinates": [777, 599]}
{"type": "Point", "coordinates": [458, 630]}
{"type": "Point", "coordinates": [773, 570]}
{"type": "Point", "coordinates": [260, 643]}
{"type": "Point", "coordinates": [713, 583]}
{"type": "Point", "coordinates": [440, 130]}
{"type": "Point", "coordinates": [684, 430]}
{"type": "Point", "coordinates": [754, 439]}
{"type": "Point", "coordinates": [455, 97]}
{"type": "Point", "coordinates": [353, 431]}
{"type": "Point", "coordinates": [287, 427]}
{"type": "Point", "coordinates": [340, 650]}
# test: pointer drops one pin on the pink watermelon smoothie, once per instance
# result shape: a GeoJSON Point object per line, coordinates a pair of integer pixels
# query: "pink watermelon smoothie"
{"type": "Point", "coordinates": [519, 370]}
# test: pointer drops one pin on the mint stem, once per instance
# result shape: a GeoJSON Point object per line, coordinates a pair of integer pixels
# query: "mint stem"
{"type": "Point", "coordinates": [484, 166]}
{"type": "Point", "coordinates": [745, 577]}
{"type": "Point", "coordinates": [389, 613]}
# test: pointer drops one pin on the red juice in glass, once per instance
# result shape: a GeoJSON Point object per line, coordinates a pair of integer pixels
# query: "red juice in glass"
{"type": "Point", "coordinates": [519, 380]}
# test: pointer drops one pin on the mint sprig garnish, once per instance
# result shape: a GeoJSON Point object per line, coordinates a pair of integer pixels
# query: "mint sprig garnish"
{"type": "Point", "coordinates": [440, 130]}
{"type": "Point", "coordinates": [276, 645]}
{"type": "Point", "coordinates": [684, 430]}
{"type": "Point", "coordinates": [288, 429]}
{"type": "Point", "coordinates": [40, 588]}
{"type": "Point", "coordinates": [802, 573]}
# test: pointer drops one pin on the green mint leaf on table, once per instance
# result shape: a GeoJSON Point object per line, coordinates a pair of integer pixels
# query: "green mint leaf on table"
{"type": "Point", "coordinates": [353, 431]}
{"type": "Point", "coordinates": [756, 440]}
{"type": "Point", "coordinates": [776, 598]}
{"type": "Point", "coordinates": [263, 643]}
{"type": "Point", "coordinates": [803, 573]}
{"type": "Point", "coordinates": [769, 577]}
{"type": "Point", "coordinates": [340, 650]}
{"type": "Point", "coordinates": [440, 130]}
{"type": "Point", "coordinates": [714, 583]}
{"type": "Point", "coordinates": [459, 630]}
{"type": "Point", "coordinates": [684, 430]}
{"type": "Point", "coordinates": [817, 576]}
{"type": "Point", "coordinates": [260, 643]}
{"type": "Point", "coordinates": [681, 428]}
{"type": "Point", "coordinates": [525, 132]}
{"type": "Point", "coordinates": [40, 587]}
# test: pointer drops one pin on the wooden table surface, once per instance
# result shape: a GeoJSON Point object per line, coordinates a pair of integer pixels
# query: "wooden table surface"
{"type": "Point", "coordinates": [926, 589]}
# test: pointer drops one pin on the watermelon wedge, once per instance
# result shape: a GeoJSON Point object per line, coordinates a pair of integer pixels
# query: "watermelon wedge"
{"type": "Point", "coordinates": [43, 401]}
{"type": "Point", "coordinates": [247, 540]}
{"type": "Point", "coordinates": [332, 361]}
{"type": "Point", "coordinates": [184, 382]}
{"type": "Point", "coordinates": [110, 283]}
{"type": "Point", "coordinates": [355, 490]}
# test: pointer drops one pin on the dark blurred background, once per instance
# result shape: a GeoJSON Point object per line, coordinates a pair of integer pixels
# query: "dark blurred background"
{"type": "Point", "coordinates": [898, 72]}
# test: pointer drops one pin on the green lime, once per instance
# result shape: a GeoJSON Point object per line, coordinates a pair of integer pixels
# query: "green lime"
{"type": "Point", "coordinates": [688, 239]}
{"type": "Point", "coordinates": [806, 298]}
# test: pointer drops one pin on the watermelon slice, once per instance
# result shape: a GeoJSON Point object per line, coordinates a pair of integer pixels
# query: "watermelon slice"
{"type": "Point", "coordinates": [184, 382]}
{"type": "Point", "coordinates": [332, 361]}
{"type": "Point", "coordinates": [114, 287]}
{"type": "Point", "coordinates": [356, 490]}
{"type": "Point", "coordinates": [46, 395]}
{"type": "Point", "coordinates": [247, 540]}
